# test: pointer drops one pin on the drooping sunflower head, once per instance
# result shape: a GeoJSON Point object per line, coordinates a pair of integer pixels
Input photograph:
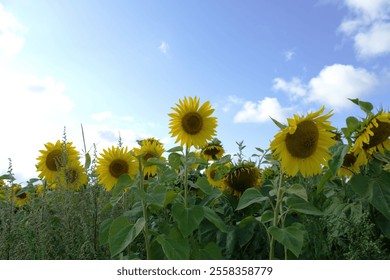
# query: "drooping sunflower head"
{"type": "Point", "coordinates": [374, 137]}
{"type": "Point", "coordinates": [54, 158]}
{"type": "Point", "coordinates": [213, 150]}
{"type": "Point", "coordinates": [150, 149]}
{"type": "Point", "coordinates": [303, 144]}
{"type": "Point", "coordinates": [20, 196]}
{"type": "Point", "coordinates": [242, 177]}
{"type": "Point", "coordinates": [114, 162]}
{"type": "Point", "coordinates": [73, 176]}
{"type": "Point", "coordinates": [150, 140]}
{"type": "Point", "coordinates": [192, 123]}
{"type": "Point", "coordinates": [352, 162]}
{"type": "Point", "coordinates": [215, 175]}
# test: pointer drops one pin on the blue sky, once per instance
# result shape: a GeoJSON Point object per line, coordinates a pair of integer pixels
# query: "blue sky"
{"type": "Point", "coordinates": [119, 67]}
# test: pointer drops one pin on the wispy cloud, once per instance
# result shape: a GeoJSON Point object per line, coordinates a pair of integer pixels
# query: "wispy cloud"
{"type": "Point", "coordinates": [289, 54]}
{"type": "Point", "coordinates": [261, 111]}
{"type": "Point", "coordinates": [332, 86]}
{"type": "Point", "coordinates": [368, 25]}
{"type": "Point", "coordinates": [11, 34]}
{"type": "Point", "coordinates": [163, 47]}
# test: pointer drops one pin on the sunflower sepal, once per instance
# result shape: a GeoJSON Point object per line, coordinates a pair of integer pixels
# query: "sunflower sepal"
{"type": "Point", "coordinates": [278, 124]}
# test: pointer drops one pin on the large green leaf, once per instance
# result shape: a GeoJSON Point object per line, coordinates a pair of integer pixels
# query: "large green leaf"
{"type": "Point", "coordinates": [175, 247]}
{"type": "Point", "coordinates": [291, 237]}
{"type": "Point", "coordinates": [298, 190]}
{"type": "Point", "coordinates": [249, 197]}
{"type": "Point", "coordinates": [213, 217]}
{"type": "Point", "coordinates": [174, 160]}
{"type": "Point", "coordinates": [299, 205]}
{"type": "Point", "coordinates": [104, 231]}
{"type": "Point", "coordinates": [204, 185]}
{"type": "Point", "coordinates": [375, 189]}
{"type": "Point", "coordinates": [122, 233]}
{"type": "Point", "coordinates": [210, 252]}
{"type": "Point", "coordinates": [188, 219]}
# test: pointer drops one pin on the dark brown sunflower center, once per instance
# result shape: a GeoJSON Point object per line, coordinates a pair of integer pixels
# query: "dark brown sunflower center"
{"type": "Point", "coordinates": [148, 156]}
{"type": "Point", "coordinates": [192, 123]}
{"type": "Point", "coordinates": [213, 173]}
{"type": "Point", "coordinates": [381, 134]}
{"type": "Point", "coordinates": [303, 143]}
{"type": "Point", "coordinates": [118, 167]}
{"type": "Point", "coordinates": [22, 195]}
{"type": "Point", "coordinates": [349, 160]}
{"type": "Point", "coordinates": [212, 152]}
{"type": "Point", "coordinates": [53, 160]}
{"type": "Point", "coordinates": [243, 178]}
{"type": "Point", "coordinates": [71, 176]}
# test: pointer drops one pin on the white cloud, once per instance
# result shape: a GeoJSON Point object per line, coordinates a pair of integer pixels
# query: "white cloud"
{"type": "Point", "coordinates": [336, 83]}
{"type": "Point", "coordinates": [368, 25]}
{"type": "Point", "coordinates": [332, 86]}
{"type": "Point", "coordinates": [164, 47]}
{"type": "Point", "coordinates": [11, 34]}
{"type": "Point", "coordinates": [261, 111]}
{"type": "Point", "coordinates": [288, 55]}
{"type": "Point", "coordinates": [295, 88]}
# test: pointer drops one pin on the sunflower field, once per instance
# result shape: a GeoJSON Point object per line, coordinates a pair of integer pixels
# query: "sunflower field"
{"type": "Point", "coordinates": [316, 193]}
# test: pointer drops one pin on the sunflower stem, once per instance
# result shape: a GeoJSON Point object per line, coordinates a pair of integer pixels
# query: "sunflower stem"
{"type": "Point", "coordinates": [144, 209]}
{"type": "Point", "coordinates": [279, 198]}
{"type": "Point", "coordinates": [186, 178]}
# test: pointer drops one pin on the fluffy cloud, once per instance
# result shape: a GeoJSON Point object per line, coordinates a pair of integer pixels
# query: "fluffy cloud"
{"type": "Point", "coordinates": [369, 27]}
{"type": "Point", "coordinates": [295, 88]}
{"type": "Point", "coordinates": [11, 34]}
{"type": "Point", "coordinates": [261, 111]}
{"type": "Point", "coordinates": [332, 86]}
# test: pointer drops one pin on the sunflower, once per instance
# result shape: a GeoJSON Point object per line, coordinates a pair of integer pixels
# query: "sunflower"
{"type": "Point", "coordinates": [352, 162]}
{"type": "Point", "coordinates": [241, 177]}
{"type": "Point", "coordinates": [213, 150]}
{"type": "Point", "coordinates": [374, 137]}
{"type": "Point", "coordinates": [114, 162]}
{"type": "Point", "coordinates": [211, 174]}
{"type": "Point", "coordinates": [73, 176]}
{"type": "Point", "coordinates": [192, 124]}
{"type": "Point", "coordinates": [303, 144]}
{"type": "Point", "coordinates": [20, 197]}
{"type": "Point", "coordinates": [150, 149]}
{"type": "Point", "coordinates": [53, 158]}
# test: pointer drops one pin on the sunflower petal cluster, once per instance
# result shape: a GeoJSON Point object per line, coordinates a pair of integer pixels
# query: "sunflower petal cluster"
{"type": "Point", "coordinates": [150, 148]}
{"type": "Point", "coordinates": [191, 122]}
{"type": "Point", "coordinates": [213, 150]}
{"type": "Point", "coordinates": [114, 162]}
{"type": "Point", "coordinates": [302, 146]}
{"type": "Point", "coordinates": [241, 177]}
{"type": "Point", "coordinates": [55, 162]}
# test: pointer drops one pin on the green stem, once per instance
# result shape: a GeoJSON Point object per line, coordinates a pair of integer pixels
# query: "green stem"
{"type": "Point", "coordinates": [186, 178]}
{"type": "Point", "coordinates": [144, 210]}
{"type": "Point", "coordinates": [279, 198]}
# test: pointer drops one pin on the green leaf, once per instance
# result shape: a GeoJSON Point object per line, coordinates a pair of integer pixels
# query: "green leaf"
{"type": "Point", "coordinates": [249, 197]}
{"type": "Point", "coordinates": [122, 233]}
{"type": "Point", "coordinates": [188, 219]}
{"type": "Point", "coordinates": [174, 160]}
{"type": "Point", "coordinates": [7, 177]}
{"type": "Point", "coordinates": [104, 231]}
{"type": "Point", "coordinates": [291, 237]}
{"type": "Point", "coordinates": [210, 252]}
{"type": "Point", "coordinates": [299, 205]}
{"type": "Point", "coordinates": [340, 150]}
{"type": "Point", "coordinates": [352, 123]}
{"type": "Point", "coordinates": [213, 217]}
{"type": "Point", "coordinates": [365, 106]}
{"type": "Point", "coordinates": [266, 217]}
{"type": "Point", "coordinates": [175, 149]}
{"type": "Point", "coordinates": [223, 160]}
{"type": "Point", "coordinates": [155, 161]}
{"type": "Point", "coordinates": [278, 124]}
{"type": "Point", "coordinates": [375, 189]}
{"type": "Point", "coordinates": [204, 185]}
{"type": "Point", "coordinates": [298, 190]}
{"type": "Point", "coordinates": [175, 247]}
{"type": "Point", "coordinates": [169, 197]}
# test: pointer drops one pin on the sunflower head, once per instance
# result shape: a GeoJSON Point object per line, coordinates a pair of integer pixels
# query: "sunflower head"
{"type": "Point", "coordinates": [191, 123]}
{"type": "Point", "coordinates": [215, 175]}
{"type": "Point", "coordinates": [150, 149]}
{"type": "Point", "coordinates": [73, 176]}
{"type": "Point", "coordinates": [374, 137]}
{"type": "Point", "coordinates": [241, 177]}
{"type": "Point", "coordinates": [213, 150]}
{"type": "Point", "coordinates": [114, 162]}
{"type": "Point", "coordinates": [352, 162]}
{"type": "Point", "coordinates": [55, 157]}
{"type": "Point", "coordinates": [303, 144]}
{"type": "Point", "coordinates": [19, 196]}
